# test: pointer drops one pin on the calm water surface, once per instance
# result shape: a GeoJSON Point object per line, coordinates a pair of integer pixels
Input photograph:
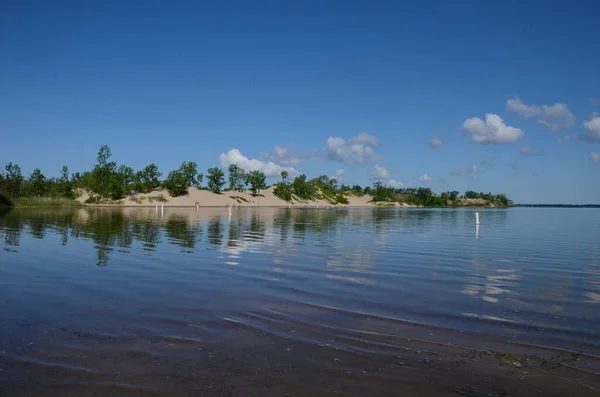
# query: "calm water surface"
{"type": "Point", "coordinates": [302, 302]}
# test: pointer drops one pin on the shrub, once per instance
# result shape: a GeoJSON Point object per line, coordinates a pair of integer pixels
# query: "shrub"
{"type": "Point", "coordinates": [284, 191]}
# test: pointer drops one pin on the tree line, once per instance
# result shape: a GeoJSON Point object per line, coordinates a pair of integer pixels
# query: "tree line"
{"type": "Point", "coordinates": [109, 181]}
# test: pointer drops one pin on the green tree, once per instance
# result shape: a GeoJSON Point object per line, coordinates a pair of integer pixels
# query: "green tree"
{"type": "Point", "coordinates": [199, 179]}
{"type": "Point", "coordinates": [284, 175]}
{"type": "Point", "coordinates": [122, 183]}
{"type": "Point", "coordinates": [256, 179]}
{"type": "Point", "coordinates": [38, 183]}
{"type": "Point", "coordinates": [236, 178]}
{"type": "Point", "coordinates": [216, 179]}
{"type": "Point", "coordinates": [382, 193]}
{"type": "Point", "coordinates": [64, 184]}
{"type": "Point", "coordinates": [469, 194]}
{"type": "Point", "coordinates": [284, 191]}
{"type": "Point", "coordinates": [103, 178]}
{"type": "Point", "coordinates": [13, 180]}
{"type": "Point", "coordinates": [148, 179]}
{"type": "Point", "coordinates": [190, 170]}
{"type": "Point", "coordinates": [177, 183]}
{"type": "Point", "coordinates": [303, 189]}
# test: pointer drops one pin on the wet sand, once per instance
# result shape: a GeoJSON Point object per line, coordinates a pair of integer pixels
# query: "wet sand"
{"type": "Point", "coordinates": [267, 353]}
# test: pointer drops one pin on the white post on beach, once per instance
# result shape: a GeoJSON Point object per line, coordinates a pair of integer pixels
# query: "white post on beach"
{"type": "Point", "coordinates": [162, 210]}
{"type": "Point", "coordinates": [156, 209]}
{"type": "Point", "coordinates": [477, 218]}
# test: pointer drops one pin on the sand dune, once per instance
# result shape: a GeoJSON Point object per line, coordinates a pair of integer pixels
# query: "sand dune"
{"type": "Point", "coordinates": [205, 198]}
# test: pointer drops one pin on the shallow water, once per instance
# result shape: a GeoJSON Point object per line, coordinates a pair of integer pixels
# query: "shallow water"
{"type": "Point", "coordinates": [305, 302]}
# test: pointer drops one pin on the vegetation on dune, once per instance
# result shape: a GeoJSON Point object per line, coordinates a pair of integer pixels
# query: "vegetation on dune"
{"type": "Point", "coordinates": [427, 198]}
{"type": "Point", "coordinates": [110, 183]}
{"type": "Point", "coordinates": [216, 179]}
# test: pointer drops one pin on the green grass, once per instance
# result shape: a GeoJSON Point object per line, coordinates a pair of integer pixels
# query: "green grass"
{"type": "Point", "coordinates": [239, 199]}
{"type": "Point", "coordinates": [45, 202]}
{"type": "Point", "coordinates": [160, 198]}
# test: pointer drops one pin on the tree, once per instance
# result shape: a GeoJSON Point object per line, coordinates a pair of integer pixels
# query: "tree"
{"type": "Point", "coordinates": [13, 180]}
{"type": "Point", "coordinates": [236, 178]}
{"type": "Point", "coordinates": [284, 175]}
{"type": "Point", "coordinates": [38, 183]}
{"type": "Point", "coordinates": [148, 179]}
{"type": "Point", "coordinates": [256, 179]}
{"type": "Point", "coordinates": [65, 184]}
{"type": "Point", "coordinates": [382, 193]}
{"type": "Point", "coordinates": [190, 170]}
{"type": "Point", "coordinates": [199, 179]}
{"type": "Point", "coordinates": [102, 180]}
{"type": "Point", "coordinates": [303, 189]}
{"type": "Point", "coordinates": [216, 179]}
{"type": "Point", "coordinates": [284, 191]}
{"type": "Point", "coordinates": [469, 194]}
{"type": "Point", "coordinates": [123, 182]}
{"type": "Point", "coordinates": [177, 183]}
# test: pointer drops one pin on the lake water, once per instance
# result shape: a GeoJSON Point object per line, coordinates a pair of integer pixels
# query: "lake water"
{"type": "Point", "coordinates": [297, 302]}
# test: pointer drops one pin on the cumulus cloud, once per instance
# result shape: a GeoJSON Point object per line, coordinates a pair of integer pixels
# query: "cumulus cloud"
{"type": "Point", "coordinates": [554, 117]}
{"type": "Point", "coordinates": [380, 173]}
{"type": "Point", "coordinates": [356, 150]}
{"type": "Point", "coordinates": [287, 156]}
{"type": "Point", "coordinates": [234, 156]}
{"type": "Point", "coordinates": [425, 178]}
{"type": "Point", "coordinates": [339, 173]}
{"type": "Point", "coordinates": [491, 131]}
{"type": "Point", "coordinates": [395, 184]}
{"type": "Point", "coordinates": [435, 142]}
{"type": "Point", "coordinates": [595, 157]}
{"type": "Point", "coordinates": [593, 127]}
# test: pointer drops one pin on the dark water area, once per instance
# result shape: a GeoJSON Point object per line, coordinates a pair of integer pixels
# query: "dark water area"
{"type": "Point", "coordinates": [280, 302]}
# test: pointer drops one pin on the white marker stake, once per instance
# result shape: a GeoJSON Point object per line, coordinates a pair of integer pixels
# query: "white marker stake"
{"type": "Point", "coordinates": [477, 218]}
{"type": "Point", "coordinates": [162, 210]}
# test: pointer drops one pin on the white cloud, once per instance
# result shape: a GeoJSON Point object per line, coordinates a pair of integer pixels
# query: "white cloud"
{"type": "Point", "coordinates": [595, 157]}
{"type": "Point", "coordinates": [554, 117]}
{"type": "Point", "coordinates": [380, 173]}
{"type": "Point", "coordinates": [435, 142]}
{"type": "Point", "coordinates": [287, 156]}
{"type": "Point", "coordinates": [425, 178]}
{"type": "Point", "coordinates": [395, 184]}
{"type": "Point", "coordinates": [565, 138]}
{"type": "Point", "coordinates": [356, 150]}
{"type": "Point", "coordinates": [339, 173]}
{"type": "Point", "coordinates": [593, 126]}
{"type": "Point", "coordinates": [234, 156]}
{"type": "Point", "coordinates": [473, 169]}
{"type": "Point", "coordinates": [525, 149]}
{"type": "Point", "coordinates": [491, 131]}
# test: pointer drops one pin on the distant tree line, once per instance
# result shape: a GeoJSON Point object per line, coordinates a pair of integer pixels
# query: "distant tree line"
{"type": "Point", "coordinates": [109, 181]}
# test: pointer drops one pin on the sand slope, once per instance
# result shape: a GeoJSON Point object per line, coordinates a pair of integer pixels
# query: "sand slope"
{"type": "Point", "coordinates": [205, 198]}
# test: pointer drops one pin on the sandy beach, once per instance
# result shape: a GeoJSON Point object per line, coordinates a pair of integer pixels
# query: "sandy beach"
{"type": "Point", "coordinates": [206, 198]}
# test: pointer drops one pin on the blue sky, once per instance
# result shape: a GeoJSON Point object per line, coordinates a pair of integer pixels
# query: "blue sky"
{"type": "Point", "coordinates": [318, 86]}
